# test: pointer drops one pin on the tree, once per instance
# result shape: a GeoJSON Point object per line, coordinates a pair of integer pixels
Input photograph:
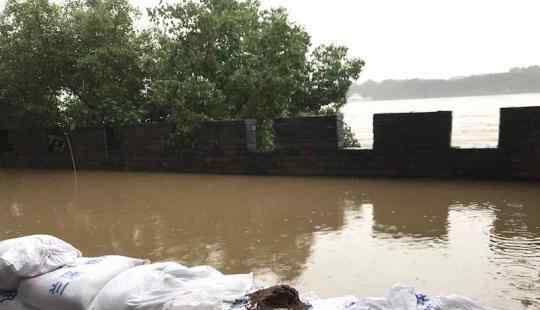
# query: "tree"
{"type": "Point", "coordinates": [83, 63]}
{"type": "Point", "coordinates": [330, 74]}
{"type": "Point", "coordinates": [32, 45]}
{"type": "Point", "coordinates": [106, 81]}
{"type": "Point", "coordinates": [222, 59]}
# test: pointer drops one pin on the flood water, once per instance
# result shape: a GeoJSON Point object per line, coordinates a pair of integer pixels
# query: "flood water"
{"type": "Point", "coordinates": [324, 235]}
{"type": "Point", "coordinates": [475, 119]}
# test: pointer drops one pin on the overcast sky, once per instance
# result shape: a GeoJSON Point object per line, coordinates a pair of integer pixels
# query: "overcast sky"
{"type": "Point", "coordinates": [426, 38]}
{"type": "Point", "coordinates": [422, 38]}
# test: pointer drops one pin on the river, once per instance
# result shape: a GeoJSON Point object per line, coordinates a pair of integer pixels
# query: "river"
{"type": "Point", "coordinates": [332, 236]}
{"type": "Point", "coordinates": [475, 119]}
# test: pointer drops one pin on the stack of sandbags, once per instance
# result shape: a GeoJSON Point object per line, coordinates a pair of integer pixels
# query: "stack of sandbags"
{"type": "Point", "coordinates": [28, 257]}
{"type": "Point", "coordinates": [172, 286]}
{"type": "Point", "coordinates": [45, 273]}
{"type": "Point", "coordinates": [74, 287]}
{"type": "Point", "coordinates": [397, 298]}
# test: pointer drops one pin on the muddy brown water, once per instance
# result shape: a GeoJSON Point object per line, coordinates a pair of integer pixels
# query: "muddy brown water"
{"type": "Point", "coordinates": [323, 235]}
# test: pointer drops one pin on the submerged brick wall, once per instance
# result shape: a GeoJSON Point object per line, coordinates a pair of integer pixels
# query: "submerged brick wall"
{"type": "Point", "coordinates": [406, 145]}
{"type": "Point", "coordinates": [311, 133]}
{"type": "Point", "coordinates": [519, 140]}
{"type": "Point", "coordinates": [413, 144]}
{"type": "Point", "coordinates": [412, 132]}
{"type": "Point", "coordinates": [225, 137]}
{"type": "Point", "coordinates": [143, 143]}
{"type": "Point", "coordinates": [35, 148]}
{"type": "Point", "coordinates": [520, 130]}
{"type": "Point", "coordinates": [89, 146]}
{"type": "Point", "coordinates": [5, 146]}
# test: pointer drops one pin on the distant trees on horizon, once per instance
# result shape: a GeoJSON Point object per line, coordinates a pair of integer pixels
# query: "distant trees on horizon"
{"type": "Point", "coordinates": [516, 80]}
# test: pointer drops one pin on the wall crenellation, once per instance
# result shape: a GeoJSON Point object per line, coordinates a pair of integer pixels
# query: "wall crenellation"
{"type": "Point", "coordinates": [405, 145]}
{"type": "Point", "coordinates": [412, 132]}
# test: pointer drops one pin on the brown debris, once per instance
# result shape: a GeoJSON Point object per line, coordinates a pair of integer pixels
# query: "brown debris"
{"type": "Point", "coordinates": [276, 297]}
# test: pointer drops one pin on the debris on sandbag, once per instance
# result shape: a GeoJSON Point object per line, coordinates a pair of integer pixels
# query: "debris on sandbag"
{"type": "Point", "coordinates": [275, 297]}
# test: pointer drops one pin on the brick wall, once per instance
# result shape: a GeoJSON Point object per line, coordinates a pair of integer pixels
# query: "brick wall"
{"type": "Point", "coordinates": [225, 137]}
{"type": "Point", "coordinates": [35, 149]}
{"type": "Point", "coordinates": [519, 140]}
{"type": "Point", "coordinates": [309, 133]}
{"type": "Point", "coordinates": [144, 143]}
{"type": "Point", "coordinates": [406, 145]}
{"type": "Point", "coordinates": [412, 132]}
{"type": "Point", "coordinates": [89, 145]}
{"type": "Point", "coordinates": [519, 130]}
{"type": "Point", "coordinates": [5, 146]}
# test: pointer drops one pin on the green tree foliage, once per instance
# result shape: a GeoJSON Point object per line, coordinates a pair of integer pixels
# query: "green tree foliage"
{"type": "Point", "coordinates": [83, 63]}
{"type": "Point", "coordinates": [329, 75]}
{"type": "Point", "coordinates": [349, 139]}
{"type": "Point", "coordinates": [106, 81]}
{"type": "Point", "coordinates": [32, 58]}
{"type": "Point", "coordinates": [222, 59]}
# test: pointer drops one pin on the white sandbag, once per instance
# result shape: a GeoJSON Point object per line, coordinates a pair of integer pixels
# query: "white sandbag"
{"type": "Point", "coordinates": [135, 282]}
{"type": "Point", "coordinates": [407, 298]}
{"type": "Point", "coordinates": [10, 301]}
{"type": "Point", "coordinates": [32, 256]}
{"type": "Point", "coordinates": [195, 300]}
{"type": "Point", "coordinates": [215, 292]}
{"type": "Point", "coordinates": [74, 288]}
{"type": "Point", "coordinates": [401, 298]}
{"type": "Point", "coordinates": [455, 302]}
{"type": "Point", "coordinates": [340, 303]}
{"type": "Point", "coordinates": [397, 298]}
{"type": "Point", "coordinates": [172, 286]}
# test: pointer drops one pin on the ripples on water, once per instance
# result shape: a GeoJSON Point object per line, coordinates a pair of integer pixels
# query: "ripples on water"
{"type": "Point", "coordinates": [330, 236]}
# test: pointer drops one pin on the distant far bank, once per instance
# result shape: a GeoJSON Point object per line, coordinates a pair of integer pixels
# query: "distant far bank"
{"type": "Point", "coordinates": [515, 81]}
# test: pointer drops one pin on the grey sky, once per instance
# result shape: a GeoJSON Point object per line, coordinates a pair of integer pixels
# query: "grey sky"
{"type": "Point", "coordinates": [426, 38]}
{"type": "Point", "coordinates": [422, 38]}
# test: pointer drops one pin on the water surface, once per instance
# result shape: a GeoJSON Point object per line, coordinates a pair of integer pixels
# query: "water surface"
{"type": "Point", "coordinates": [475, 119]}
{"type": "Point", "coordinates": [329, 236]}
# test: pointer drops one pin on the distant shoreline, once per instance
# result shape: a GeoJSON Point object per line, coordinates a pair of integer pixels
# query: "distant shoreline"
{"type": "Point", "coordinates": [515, 81]}
{"type": "Point", "coordinates": [364, 99]}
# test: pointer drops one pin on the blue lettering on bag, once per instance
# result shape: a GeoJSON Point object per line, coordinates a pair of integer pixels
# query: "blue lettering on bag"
{"type": "Point", "coordinates": [58, 288]}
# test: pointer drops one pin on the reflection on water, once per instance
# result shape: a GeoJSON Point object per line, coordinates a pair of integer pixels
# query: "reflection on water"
{"type": "Point", "coordinates": [331, 236]}
{"type": "Point", "coordinates": [398, 213]}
